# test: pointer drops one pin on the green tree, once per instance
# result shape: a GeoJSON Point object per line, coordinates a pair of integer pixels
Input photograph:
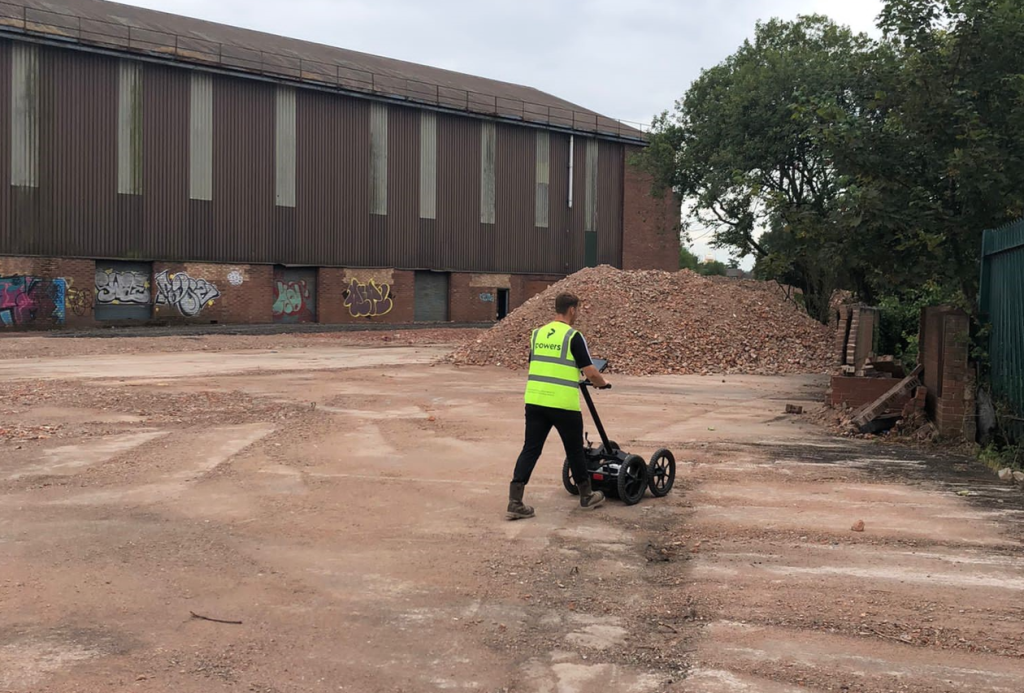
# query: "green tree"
{"type": "Point", "coordinates": [842, 162]}
{"type": "Point", "coordinates": [745, 146]}
{"type": "Point", "coordinates": [935, 154]}
{"type": "Point", "coordinates": [688, 260]}
{"type": "Point", "coordinates": [713, 269]}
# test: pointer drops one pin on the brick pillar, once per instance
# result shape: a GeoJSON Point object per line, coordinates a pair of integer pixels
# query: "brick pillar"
{"type": "Point", "coordinates": [851, 343]}
{"type": "Point", "coordinates": [842, 328]}
{"type": "Point", "coordinates": [930, 354]}
{"type": "Point", "coordinates": [951, 412]}
{"type": "Point", "coordinates": [650, 225]}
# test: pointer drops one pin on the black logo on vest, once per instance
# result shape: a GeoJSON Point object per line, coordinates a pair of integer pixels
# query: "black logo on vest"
{"type": "Point", "coordinates": [550, 332]}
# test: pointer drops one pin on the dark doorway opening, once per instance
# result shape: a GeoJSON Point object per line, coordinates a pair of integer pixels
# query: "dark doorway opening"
{"type": "Point", "coordinates": [502, 303]}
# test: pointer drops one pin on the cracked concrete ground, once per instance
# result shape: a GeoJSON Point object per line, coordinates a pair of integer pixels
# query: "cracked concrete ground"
{"type": "Point", "coordinates": [344, 503]}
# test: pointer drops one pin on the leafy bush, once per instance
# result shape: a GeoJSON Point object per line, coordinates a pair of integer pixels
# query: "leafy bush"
{"type": "Point", "coordinates": [900, 318]}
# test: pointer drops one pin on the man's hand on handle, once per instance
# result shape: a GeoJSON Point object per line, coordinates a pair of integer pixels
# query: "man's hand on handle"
{"type": "Point", "coordinates": [596, 379]}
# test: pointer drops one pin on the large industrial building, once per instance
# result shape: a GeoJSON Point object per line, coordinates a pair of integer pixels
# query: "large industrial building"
{"type": "Point", "coordinates": [165, 169]}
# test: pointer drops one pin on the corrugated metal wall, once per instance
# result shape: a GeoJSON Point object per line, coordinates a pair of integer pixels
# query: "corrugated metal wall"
{"type": "Point", "coordinates": [515, 184]}
{"type": "Point", "coordinates": [7, 235]}
{"type": "Point", "coordinates": [129, 128]}
{"type": "Point", "coordinates": [428, 165]}
{"type": "Point", "coordinates": [400, 246]}
{"type": "Point", "coordinates": [171, 225]}
{"type": "Point", "coordinates": [212, 180]}
{"type": "Point", "coordinates": [284, 140]}
{"type": "Point", "coordinates": [243, 205]}
{"type": "Point", "coordinates": [610, 162]}
{"type": "Point", "coordinates": [458, 237]}
{"type": "Point", "coordinates": [76, 205]}
{"type": "Point", "coordinates": [1001, 300]}
{"type": "Point", "coordinates": [333, 178]}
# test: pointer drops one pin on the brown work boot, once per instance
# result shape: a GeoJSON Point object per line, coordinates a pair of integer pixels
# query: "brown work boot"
{"type": "Point", "coordinates": [589, 498]}
{"type": "Point", "coordinates": [517, 510]}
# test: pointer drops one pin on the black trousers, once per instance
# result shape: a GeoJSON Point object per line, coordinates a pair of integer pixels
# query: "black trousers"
{"type": "Point", "coordinates": [539, 421]}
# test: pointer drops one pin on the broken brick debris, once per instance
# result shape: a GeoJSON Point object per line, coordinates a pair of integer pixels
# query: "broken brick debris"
{"type": "Point", "coordinates": [649, 322]}
{"type": "Point", "coordinates": [869, 413]}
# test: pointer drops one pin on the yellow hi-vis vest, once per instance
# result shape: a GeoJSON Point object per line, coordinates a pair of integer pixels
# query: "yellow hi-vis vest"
{"type": "Point", "coordinates": [554, 379]}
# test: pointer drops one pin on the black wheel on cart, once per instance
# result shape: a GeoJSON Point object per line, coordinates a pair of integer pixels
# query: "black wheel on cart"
{"type": "Point", "coordinates": [567, 480]}
{"type": "Point", "coordinates": [632, 479]}
{"type": "Point", "coordinates": [661, 472]}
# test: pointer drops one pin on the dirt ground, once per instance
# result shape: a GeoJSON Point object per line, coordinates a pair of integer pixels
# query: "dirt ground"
{"type": "Point", "coordinates": [338, 506]}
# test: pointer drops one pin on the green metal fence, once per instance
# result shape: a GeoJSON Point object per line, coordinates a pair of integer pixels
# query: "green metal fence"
{"type": "Point", "coordinates": [1002, 305]}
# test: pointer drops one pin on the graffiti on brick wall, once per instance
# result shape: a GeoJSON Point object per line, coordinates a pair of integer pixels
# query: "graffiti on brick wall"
{"type": "Point", "coordinates": [368, 300]}
{"type": "Point", "coordinates": [78, 301]}
{"type": "Point", "coordinates": [17, 300]}
{"type": "Point", "coordinates": [26, 301]}
{"type": "Point", "coordinates": [58, 294]}
{"type": "Point", "coordinates": [290, 298]}
{"type": "Point", "coordinates": [117, 287]}
{"type": "Point", "coordinates": [188, 294]}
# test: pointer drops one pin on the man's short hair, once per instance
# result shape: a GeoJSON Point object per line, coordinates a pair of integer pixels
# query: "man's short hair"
{"type": "Point", "coordinates": [563, 302]}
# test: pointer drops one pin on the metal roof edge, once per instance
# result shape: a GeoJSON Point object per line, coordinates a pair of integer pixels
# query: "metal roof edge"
{"type": "Point", "coordinates": [75, 43]}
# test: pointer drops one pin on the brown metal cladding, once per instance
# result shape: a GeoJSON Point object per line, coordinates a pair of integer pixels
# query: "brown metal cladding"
{"type": "Point", "coordinates": [577, 239]}
{"type": "Point", "coordinates": [78, 207]}
{"type": "Point", "coordinates": [517, 239]}
{"type": "Point", "coordinates": [402, 245]}
{"type": "Point", "coordinates": [556, 240]}
{"type": "Point", "coordinates": [333, 178]}
{"type": "Point", "coordinates": [244, 178]}
{"type": "Point", "coordinates": [6, 225]}
{"type": "Point", "coordinates": [165, 147]}
{"type": "Point", "coordinates": [77, 198]}
{"type": "Point", "coordinates": [609, 203]}
{"type": "Point", "coordinates": [459, 233]}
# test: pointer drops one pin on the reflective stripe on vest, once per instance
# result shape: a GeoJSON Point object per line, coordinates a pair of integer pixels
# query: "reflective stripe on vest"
{"type": "Point", "coordinates": [554, 379]}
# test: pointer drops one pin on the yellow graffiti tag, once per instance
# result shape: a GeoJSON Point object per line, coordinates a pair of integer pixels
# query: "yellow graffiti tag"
{"type": "Point", "coordinates": [368, 300]}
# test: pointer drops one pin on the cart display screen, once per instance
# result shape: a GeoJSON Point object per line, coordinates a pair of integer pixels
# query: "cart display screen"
{"type": "Point", "coordinates": [600, 364]}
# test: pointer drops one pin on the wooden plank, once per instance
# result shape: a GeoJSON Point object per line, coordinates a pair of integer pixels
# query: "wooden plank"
{"type": "Point", "coordinates": [868, 413]}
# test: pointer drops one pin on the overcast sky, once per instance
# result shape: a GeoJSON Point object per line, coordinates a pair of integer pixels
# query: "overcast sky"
{"type": "Point", "coordinates": [627, 59]}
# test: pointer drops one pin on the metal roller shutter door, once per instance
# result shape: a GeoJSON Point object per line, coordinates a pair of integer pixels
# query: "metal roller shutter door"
{"type": "Point", "coordinates": [431, 297]}
{"type": "Point", "coordinates": [294, 294]}
{"type": "Point", "coordinates": [124, 290]}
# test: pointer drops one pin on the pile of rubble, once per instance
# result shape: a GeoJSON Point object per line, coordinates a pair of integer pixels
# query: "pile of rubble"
{"type": "Point", "coordinates": [651, 322]}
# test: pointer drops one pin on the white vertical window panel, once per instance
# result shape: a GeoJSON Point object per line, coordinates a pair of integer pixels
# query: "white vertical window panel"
{"type": "Point", "coordinates": [543, 189]}
{"type": "Point", "coordinates": [488, 151]}
{"type": "Point", "coordinates": [201, 138]}
{"type": "Point", "coordinates": [129, 128]}
{"type": "Point", "coordinates": [590, 203]}
{"type": "Point", "coordinates": [378, 158]}
{"type": "Point", "coordinates": [284, 146]}
{"type": "Point", "coordinates": [25, 115]}
{"type": "Point", "coordinates": [428, 165]}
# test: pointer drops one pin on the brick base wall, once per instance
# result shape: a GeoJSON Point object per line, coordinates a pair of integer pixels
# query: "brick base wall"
{"type": "Point", "coordinates": [474, 297]}
{"type": "Point", "coordinates": [365, 296]}
{"type": "Point", "coordinates": [208, 293]}
{"type": "Point", "coordinates": [32, 288]}
{"type": "Point", "coordinates": [203, 293]}
{"type": "Point", "coordinates": [525, 286]}
{"type": "Point", "coordinates": [953, 416]}
{"type": "Point", "coordinates": [650, 224]}
{"type": "Point", "coordinates": [856, 392]}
